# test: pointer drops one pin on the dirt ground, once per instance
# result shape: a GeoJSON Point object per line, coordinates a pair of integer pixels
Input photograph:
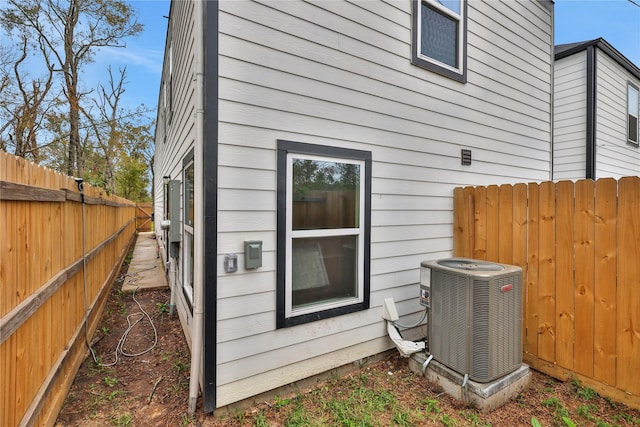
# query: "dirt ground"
{"type": "Point", "coordinates": [152, 389]}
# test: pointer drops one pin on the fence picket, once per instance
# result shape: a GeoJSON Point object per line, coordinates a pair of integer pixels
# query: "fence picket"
{"type": "Point", "coordinates": [505, 215]}
{"type": "Point", "coordinates": [565, 217]}
{"type": "Point", "coordinates": [480, 222]}
{"type": "Point", "coordinates": [493, 225]}
{"type": "Point", "coordinates": [531, 314]}
{"type": "Point", "coordinates": [605, 273]}
{"type": "Point", "coordinates": [628, 344]}
{"type": "Point", "coordinates": [458, 228]}
{"type": "Point", "coordinates": [547, 272]}
{"type": "Point", "coordinates": [469, 218]}
{"type": "Point", "coordinates": [520, 242]}
{"type": "Point", "coordinates": [584, 280]}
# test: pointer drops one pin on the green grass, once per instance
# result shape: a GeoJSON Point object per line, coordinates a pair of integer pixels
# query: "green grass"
{"type": "Point", "coordinates": [163, 307]}
{"type": "Point", "coordinates": [111, 381]}
{"type": "Point", "coordinates": [560, 412]}
{"type": "Point", "coordinates": [587, 411]}
{"type": "Point", "coordinates": [584, 393]}
{"type": "Point", "coordinates": [124, 420]}
{"type": "Point", "coordinates": [180, 366]}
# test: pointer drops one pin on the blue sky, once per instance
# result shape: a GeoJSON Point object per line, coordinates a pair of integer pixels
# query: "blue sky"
{"type": "Point", "coordinates": [142, 56]}
{"type": "Point", "coordinates": [617, 21]}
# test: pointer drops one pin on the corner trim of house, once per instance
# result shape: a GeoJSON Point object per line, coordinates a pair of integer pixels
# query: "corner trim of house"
{"type": "Point", "coordinates": [210, 203]}
{"type": "Point", "coordinates": [590, 167]}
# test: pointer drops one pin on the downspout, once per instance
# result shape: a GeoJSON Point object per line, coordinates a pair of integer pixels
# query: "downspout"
{"type": "Point", "coordinates": [590, 167]}
{"type": "Point", "coordinates": [552, 121]}
{"type": "Point", "coordinates": [198, 235]}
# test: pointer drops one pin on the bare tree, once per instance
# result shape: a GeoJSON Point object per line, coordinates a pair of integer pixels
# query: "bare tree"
{"type": "Point", "coordinates": [72, 30]}
{"type": "Point", "coordinates": [29, 113]}
{"type": "Point", "coordinates": [106, 126]}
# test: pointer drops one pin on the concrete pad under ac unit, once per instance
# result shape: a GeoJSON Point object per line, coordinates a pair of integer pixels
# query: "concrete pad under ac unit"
{"type": "Point", "coordinates": [484, 396]}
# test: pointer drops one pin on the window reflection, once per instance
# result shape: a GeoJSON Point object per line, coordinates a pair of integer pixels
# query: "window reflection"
{"type": "Point", "coordinates": [325, 194]}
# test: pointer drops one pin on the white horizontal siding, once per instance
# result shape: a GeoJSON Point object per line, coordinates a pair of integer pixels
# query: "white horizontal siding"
{"type": "Point", "coordinates": [241, 388]}
{"type": "Point", "coordinates": [175, 130]}
{"type": "Point", "coordinates": [339, 73]}
{"type": "Point", "coordinates": [615, 158]}
{"type": "Point", "coordinates": [570, 117]}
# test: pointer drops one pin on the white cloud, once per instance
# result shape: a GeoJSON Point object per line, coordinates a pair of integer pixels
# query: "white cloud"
{"type": "Point", "coordinates": [148, 59]}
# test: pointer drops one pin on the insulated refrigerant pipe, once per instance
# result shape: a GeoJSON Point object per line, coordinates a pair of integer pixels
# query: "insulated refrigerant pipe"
{"type": "Point", "coordinates": [198, 243]}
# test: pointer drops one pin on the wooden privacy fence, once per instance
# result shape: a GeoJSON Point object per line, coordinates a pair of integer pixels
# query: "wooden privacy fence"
{"type": "Point", "coordinates": [143, 217]}
{"type": "Point", "coordinates": [579, 247]}
{"type": "Point", "coordinates": [42, 291]}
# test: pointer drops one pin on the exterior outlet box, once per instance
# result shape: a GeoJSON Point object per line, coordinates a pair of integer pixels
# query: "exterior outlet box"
{"type": "Point", "coordinates": [175, 232]}
{"type": "Point", "coordinates": [230, 263]}
{"type": "Point", "coordinates": [389, 311]}
{"type": "Point", "coordinates": [252, 254]}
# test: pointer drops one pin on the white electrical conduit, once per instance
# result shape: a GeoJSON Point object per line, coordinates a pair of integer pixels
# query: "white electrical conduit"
{"type": "Point", "coordinates": [405, 347]}
{"type": "Point", "coordinates": [198, 243]}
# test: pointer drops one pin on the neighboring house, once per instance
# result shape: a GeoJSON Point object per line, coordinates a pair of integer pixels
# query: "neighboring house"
{"type": "Point", "coordinates": [311, 149]}
{"type": "Point", "coordinates": [595, 112]}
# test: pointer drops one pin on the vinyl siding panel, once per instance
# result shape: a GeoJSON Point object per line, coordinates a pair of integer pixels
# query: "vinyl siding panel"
{"type": "Point", "coordinates": [570, 117]}
{"type": "Point", "coordinates": [339, 74]}
{"type": "Point", "coordinates": [175, 129]}
{"type": "Point", "coordinates": [615, 158]}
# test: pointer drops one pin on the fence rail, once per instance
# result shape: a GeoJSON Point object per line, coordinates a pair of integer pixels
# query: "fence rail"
{"type": "Point", "coordinates": [143, 217]}
{"type": "Point", "coordinates": [44, 247]}
{"type": "Point", "coordinates": [579, 247]}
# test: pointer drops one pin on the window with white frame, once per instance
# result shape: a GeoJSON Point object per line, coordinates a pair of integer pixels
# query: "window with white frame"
{"type": "Point", "coordinates": [187, 256]}
{"type": "Point", "coordinates": [323, 232]}
{"type": "Point", "coordinates": [439, 37]}
{"type": "Point", "coordinates": [633, 105]}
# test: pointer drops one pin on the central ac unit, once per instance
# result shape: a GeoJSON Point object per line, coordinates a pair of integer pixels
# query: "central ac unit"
{"type": "Point", "coordinates": [475, 316]}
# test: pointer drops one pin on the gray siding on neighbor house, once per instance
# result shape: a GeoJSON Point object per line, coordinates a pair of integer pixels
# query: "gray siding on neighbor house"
{"type": "Point", "coordinates": [175, 127]}
{"type": "Point", "coordinates": [615, 158]}
{"type": "Point", "coordinates": [339, 73]}
{"type": "Point", "coordinates": [570, 117]}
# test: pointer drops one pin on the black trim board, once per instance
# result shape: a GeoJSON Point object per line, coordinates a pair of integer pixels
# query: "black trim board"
{"type": "Point", "coordinates": [590, 167]}
{"type": "Point", "coordinates": [284, 147]}
{"type": "Point", "coordinates": [210, 184]}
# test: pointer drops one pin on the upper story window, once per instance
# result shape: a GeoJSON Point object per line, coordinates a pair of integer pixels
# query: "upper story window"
{"type": "Point", "coordinates": [439, 37]}
{"type": "Point", "coordinates": [633, 103]}
{"type": "Point", "coordinates": [324, 212]}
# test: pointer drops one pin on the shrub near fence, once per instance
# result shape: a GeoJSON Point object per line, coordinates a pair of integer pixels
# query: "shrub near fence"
{"type": "Point", "coordinates": [579, 247]}
{"type": "Point", "coordinates": [42, 291]}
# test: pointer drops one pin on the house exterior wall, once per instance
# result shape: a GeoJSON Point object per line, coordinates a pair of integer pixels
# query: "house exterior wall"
{"type": "Point", "coordinates": [175, 135]}
{"type": "Point", "coordinates": [615, 157]}
{"type": "Point", "coordinates": [340, 74]}
{"type": "Point", "coordinates": [570, 117]}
